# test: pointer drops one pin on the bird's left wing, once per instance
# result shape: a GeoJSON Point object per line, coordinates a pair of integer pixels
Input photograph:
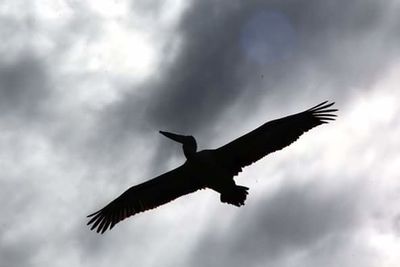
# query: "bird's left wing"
{"type": "Point", "coordinates": [145, 196]}
{"type": "Point", "coordinates": [272, 136]}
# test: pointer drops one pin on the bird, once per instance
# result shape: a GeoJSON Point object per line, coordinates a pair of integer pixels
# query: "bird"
{"type": "Point", "coordinates": [213, 169]}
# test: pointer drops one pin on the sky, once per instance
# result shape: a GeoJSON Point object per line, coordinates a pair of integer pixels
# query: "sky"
{"type": "Point", "coordinates": [86, 85]}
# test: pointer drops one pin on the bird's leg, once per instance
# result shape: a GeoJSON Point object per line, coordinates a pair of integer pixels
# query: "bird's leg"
{"type": "Point", "coordinates": [230, 192]}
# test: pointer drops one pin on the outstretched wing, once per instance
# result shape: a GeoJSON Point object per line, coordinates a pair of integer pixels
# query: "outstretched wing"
{"type": "Point", "coordinates": [272, 136]}
{"type": "Point", "coordinates": [145, 196]}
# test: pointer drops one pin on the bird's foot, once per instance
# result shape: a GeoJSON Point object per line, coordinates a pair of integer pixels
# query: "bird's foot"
{"type": "Point", "coordinates": [235, 196]}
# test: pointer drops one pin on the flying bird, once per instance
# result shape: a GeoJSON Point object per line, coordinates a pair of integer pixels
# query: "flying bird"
{"type": "Point", "coordinates": [211, 168]}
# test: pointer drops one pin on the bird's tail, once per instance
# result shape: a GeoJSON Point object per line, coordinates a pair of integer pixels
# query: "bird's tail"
{"type": "Point", "coordinates": [235, 196]}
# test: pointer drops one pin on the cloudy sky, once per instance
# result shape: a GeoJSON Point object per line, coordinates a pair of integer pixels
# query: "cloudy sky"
{"type": "Point", "coordinates": [86, 85]}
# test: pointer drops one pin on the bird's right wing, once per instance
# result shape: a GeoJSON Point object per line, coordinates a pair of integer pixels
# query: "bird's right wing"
{"type": "Point", "coordinates": [272, 136]}
{"type": "Point", "coordinates": [145, 196]}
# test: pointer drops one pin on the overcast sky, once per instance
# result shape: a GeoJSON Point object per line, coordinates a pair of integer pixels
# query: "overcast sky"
{"type": "Point", "coordinates": [86, 85]}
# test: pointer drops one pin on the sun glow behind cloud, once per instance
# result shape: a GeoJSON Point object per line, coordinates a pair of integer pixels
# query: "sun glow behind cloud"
{"type": "Point", "coordinates": [123, 51]}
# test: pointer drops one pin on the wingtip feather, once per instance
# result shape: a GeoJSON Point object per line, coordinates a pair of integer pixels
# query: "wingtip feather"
{"type": "Point", "coordinates": [321, 106]}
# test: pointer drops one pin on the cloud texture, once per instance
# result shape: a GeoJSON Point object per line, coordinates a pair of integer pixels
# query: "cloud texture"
{"type": "Point", "coordinates": [84, 88]}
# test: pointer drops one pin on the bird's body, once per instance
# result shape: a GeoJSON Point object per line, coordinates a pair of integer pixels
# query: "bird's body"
{"type": "Point", "coordinates": [211, 172]}
{"type": "Point", "coordinates": [211, 168]}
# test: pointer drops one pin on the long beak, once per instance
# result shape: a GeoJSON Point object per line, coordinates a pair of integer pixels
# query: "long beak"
{"type": "Point", "coordinates": [176, 137]}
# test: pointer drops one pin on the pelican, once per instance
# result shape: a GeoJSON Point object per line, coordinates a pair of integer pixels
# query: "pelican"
{"type": "Point", "coordinates": [212, 168]}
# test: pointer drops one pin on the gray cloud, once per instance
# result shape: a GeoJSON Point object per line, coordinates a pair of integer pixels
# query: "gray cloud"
{"type": "Point", "coordinates": [16, 254]}
{"type": "Point", "coordinates": [24, 88]}
{"type": "Point", "coordinates": [336, 49]}
{"type": "Point", "coordinates": [292, 219]}
{"type": "Point", "coordinates": [16, 198]}
{"type": "Point", "coordinates": [233, 58]}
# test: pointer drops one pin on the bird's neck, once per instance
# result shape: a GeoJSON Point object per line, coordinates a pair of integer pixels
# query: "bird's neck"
{"type": "Point", "coordinates": [189, 151]}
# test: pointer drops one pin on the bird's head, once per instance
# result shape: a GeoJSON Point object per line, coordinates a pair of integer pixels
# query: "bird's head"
{"type": "Point", "coordinates": [188, 142]}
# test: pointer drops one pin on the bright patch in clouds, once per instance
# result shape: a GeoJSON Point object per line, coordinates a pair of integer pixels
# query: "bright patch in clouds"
{"type": "Point", "coordinates": [387, 245]}
{"type": "Point", "coordinates": [122, 51]}
{"type": "Point", "coordinates": [110, 9]}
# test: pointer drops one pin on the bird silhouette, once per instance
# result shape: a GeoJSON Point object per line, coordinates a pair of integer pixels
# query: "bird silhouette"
{"type": "Point", "coordinates": [211, 168]}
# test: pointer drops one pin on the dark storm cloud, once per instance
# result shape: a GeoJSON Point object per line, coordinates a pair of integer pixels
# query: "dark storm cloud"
{"type": "Point", "coordinates": [335, 48]}
{"type": "Point", "coordinates": [347, 43]}
{"type": "Point", "coordinates": [337, 45]}
{"type": "Point", "coordinates": [294, 218]}
{"type": "Point", "coordinates": [206, 77]}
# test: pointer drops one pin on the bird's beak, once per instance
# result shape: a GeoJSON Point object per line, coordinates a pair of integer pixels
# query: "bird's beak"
{"type": "Point", "coordinates": [176, 137]}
